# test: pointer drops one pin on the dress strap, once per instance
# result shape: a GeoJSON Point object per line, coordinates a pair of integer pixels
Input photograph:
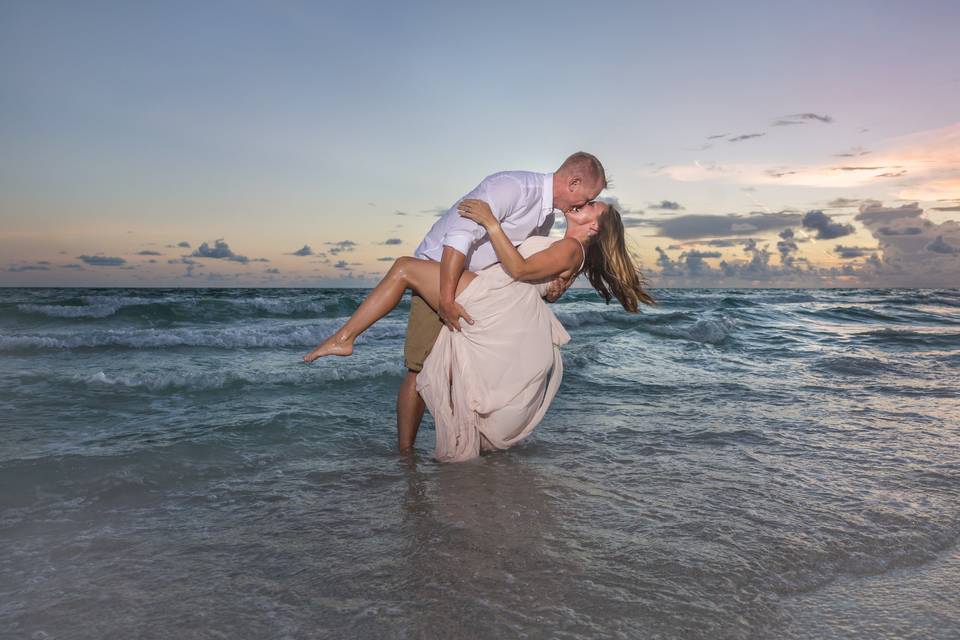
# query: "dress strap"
{"type": "Point", "coordinates": [583, 251]}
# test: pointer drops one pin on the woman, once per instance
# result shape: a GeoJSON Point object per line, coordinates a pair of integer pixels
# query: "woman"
{"type": "Point", "coordinates": [489, 385]}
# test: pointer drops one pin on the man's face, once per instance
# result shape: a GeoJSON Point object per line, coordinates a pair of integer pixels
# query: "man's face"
{"type": "Point", "coordinates": [576, 194]}
{"type": "Point", "coordinates": [587, 215]}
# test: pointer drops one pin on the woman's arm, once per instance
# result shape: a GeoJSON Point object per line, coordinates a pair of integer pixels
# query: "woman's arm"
{"type": "Point", "coordinates": [554, 260]}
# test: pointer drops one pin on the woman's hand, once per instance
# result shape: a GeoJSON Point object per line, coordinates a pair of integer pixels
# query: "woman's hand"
{"type": "Point", "coordinates": [478, 211]}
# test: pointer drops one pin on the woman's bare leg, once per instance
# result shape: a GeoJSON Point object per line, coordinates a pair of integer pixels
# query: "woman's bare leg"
{"type": "Point", "coordinates": [422, 276]}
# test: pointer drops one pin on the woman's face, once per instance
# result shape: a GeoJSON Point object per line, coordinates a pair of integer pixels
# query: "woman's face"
{"type": "Point", "coordinates": [587, 216]}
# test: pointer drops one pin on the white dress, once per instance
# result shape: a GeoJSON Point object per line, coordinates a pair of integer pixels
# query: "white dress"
{"type": "Point", "coordinates": [490, 384]}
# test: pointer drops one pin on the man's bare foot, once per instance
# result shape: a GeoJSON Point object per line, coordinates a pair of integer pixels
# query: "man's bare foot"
{"type": "Point", "coordinates": [332, 346]}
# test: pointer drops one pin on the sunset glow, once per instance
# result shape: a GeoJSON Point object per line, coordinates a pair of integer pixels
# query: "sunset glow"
{"type": "Point", "coordinates": [135, 137]}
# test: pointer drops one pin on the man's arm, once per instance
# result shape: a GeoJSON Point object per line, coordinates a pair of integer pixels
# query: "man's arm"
{"type": "Point", "coordinates": [503, 194]}
{"type": "Point", "coordinates": [451, 268]}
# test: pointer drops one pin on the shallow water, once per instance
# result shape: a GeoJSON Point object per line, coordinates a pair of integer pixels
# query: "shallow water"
{"type": "Point", "coordinates": [729, 464]}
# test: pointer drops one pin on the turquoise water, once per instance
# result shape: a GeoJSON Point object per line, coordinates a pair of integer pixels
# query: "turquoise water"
{"type": "Point", "coordinates": [729, 464]}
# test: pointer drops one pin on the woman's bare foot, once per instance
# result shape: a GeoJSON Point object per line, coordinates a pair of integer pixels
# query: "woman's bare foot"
{"type": "Point", "coordinates": [332, 346]}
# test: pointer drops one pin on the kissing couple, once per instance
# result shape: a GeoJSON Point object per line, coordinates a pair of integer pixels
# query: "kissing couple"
{"type": "Point", "coordinates": [482, 348]}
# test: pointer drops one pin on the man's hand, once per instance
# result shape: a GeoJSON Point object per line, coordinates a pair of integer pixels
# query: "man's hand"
{"type": "Point", "coordinates": [451, 268]}
{"type": "Point", "coordinates": [450, 313]}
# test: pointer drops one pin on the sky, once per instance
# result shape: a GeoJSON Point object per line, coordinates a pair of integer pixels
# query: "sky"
{"type": "Point", "coordinates": [307, 144]}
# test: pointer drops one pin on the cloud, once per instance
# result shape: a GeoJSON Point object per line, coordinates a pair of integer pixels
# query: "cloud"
{"type": "Point", "coordinates": [903, 231]}
{"type": "Point", "coordinates": [690, 268]}
{"type": "Point", "coordinates": [305, 251]}
{"type": "Point", "coordinates": [614, 202]}
{"type": "Point", "coordinates": [147, 252]}
{"type": "Point", "coordinates": [846, 253]}
{"type": "Point", "coordinates": [341, 245]}
{"type": "Point", "coordinates": [911, 251]}
{"type": "Point", "coordinates": [915, 250]}
{"type": "Point", "coordinates": [843, 203]}
{"type": "Point", "coordinates": [787, 247]}
{"type": "Point", "coordinates": [102, 261]}
{"type": "Point", "coordinates": [853, 153]}
{"type": "Point", "coordinates": [17, 268]}
{"type": "Point", "coordinates": [341, 264]}
{"type": "Point", "coordinates": [930, 158]}
{"type": "Point", "coordinates": [801, 118]}
{"type": "Point", "coordinates": [400, 213]}
{"type": "Point", "coordinates": [939, 246]}
{"type": "Point", "coordinates": [826, 229]}
{"type": "Point", "coordinates": [875, 213]}
{"type": "Point", "coordinates": [272, 270]}
{"type": "Point", "coordinates": [692, 226]}
{"type": "Point", "coordinates": [220, 251]}
{"type": "Point", "coordinates": [779, 173]}
{"type": "Point", "coordinates": [191, 265]}
{"type": "Point", "coordinates": [184, 244]}
{"type": "Point", "coordinates": [746, 136]}
{"type": "Point", "coordinates": [953, 208]}
{"type": "Point", "coordinates": [717, 136]}
{"type": "Point", "coordinates": [666, 205]}
{"type": "Point", "coordinates": [694, 260]}
{"type": "Point", "coordinates": [73, 265]}
{"type": "Point", "coordinates": [221, 277]}
{"type": "Point", "coordinates": [715, 242]}
{"type": "Point", "coordinates": [386, 259]}
{"type": "Point", "coordinates": [757, 267]}
{"type": "Point", "coordinates": [390, 241]}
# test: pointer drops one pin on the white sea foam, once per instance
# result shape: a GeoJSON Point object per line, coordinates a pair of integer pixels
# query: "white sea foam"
{"type": "Point", "coordinates": [248, 336]}
{"type": "Point", "coordinates": [93, 307]}
{"type": "Point", "coordinates": [104, 306]}
{"type": "Point", "coordinates": [207, 380]}
{"type": "Point", "coordinates": [709, 330]}
{"type": "Point", "coordinates": [72, 311]}
{"type": "Point", "coordinates": [617, 317]}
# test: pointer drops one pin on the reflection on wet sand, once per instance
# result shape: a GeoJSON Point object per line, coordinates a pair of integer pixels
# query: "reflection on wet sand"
{"type": "Point", "coordinates": [481, 531]}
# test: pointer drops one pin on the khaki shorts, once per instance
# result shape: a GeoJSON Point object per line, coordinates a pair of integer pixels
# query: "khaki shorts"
{"type": "Point", "coordinates": [423, 327]}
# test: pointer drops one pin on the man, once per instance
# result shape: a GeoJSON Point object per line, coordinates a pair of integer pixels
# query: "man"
{"type": "Point", "coordinates": [524, 203]}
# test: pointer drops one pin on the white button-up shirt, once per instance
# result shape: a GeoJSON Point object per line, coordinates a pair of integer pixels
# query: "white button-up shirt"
{"type": "Point", "coordinates": [521, 200]}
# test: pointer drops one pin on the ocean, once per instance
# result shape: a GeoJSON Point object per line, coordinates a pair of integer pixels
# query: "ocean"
{"type": "Point", "coordinates": [732, 463]}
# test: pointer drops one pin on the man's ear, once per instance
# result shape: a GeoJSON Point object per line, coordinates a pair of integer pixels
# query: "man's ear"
{"type": "Point", "coordinates": [574, 183]}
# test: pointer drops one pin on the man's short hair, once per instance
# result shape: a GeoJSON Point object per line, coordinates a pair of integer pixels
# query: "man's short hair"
{"type": "Point", "coordinates": [585, 164]}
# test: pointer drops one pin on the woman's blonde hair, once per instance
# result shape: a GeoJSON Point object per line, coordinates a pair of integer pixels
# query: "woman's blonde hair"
{"type": "Point", "coordinates": [610, 268]}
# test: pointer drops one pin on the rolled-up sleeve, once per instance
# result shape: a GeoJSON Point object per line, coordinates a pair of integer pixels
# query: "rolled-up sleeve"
{"type": "Point", "coordinates": [501, 192]}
